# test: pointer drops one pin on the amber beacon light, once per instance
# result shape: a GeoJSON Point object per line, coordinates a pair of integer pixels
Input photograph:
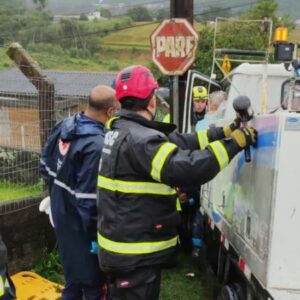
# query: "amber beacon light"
{"type": "Point", "coordinates": [281, 35]}
{"type": "Point", "coordinates": [283, 49]}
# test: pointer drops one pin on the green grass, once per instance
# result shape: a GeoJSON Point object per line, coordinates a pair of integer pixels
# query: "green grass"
{"type": "Point", "coordinates": [136, 37]}
{"type": "Point", "coordinates": [175, 283]}
{"type": "Point", "coordinates": [11, 191]}
{"type": "Point", "coordinates": [180, 284]}
{"type": "Point", "coordinates": [294, 36]}
{"type": "Point", "coordinates": [5, 62]}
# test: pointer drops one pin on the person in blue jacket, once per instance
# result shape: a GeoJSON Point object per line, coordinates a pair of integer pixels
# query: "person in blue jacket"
{"type": "Point", "coordinates": [69, 164]}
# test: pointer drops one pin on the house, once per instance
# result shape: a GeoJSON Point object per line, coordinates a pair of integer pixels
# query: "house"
{"type": "Point", "coordinates": [19, 110]}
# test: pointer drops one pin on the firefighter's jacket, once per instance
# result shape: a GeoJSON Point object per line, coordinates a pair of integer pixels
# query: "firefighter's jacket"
{"type": "Point", "coordinates": [69, 165]}
{"type": "Point", "coordinates": [6, 286]}
{"type": "Point", "coordinates": [142, 162]}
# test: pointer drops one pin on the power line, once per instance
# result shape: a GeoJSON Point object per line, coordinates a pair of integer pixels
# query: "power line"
{"type": "Point", "coordinates": [225, 8]}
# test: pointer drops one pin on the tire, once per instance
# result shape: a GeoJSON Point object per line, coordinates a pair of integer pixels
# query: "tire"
{"type": "Point", "coordinates": [234, 291]}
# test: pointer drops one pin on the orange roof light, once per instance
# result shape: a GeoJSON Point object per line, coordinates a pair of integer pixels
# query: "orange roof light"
{"type": "Point", "coordinates": [281, 34]}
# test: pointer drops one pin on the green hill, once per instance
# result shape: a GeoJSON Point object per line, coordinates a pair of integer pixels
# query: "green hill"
{"type": "Point", "coordinates": [72, 6]}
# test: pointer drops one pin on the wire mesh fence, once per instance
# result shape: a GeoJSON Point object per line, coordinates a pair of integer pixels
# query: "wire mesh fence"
{"type": "Point", "coordinates": [29, 107]}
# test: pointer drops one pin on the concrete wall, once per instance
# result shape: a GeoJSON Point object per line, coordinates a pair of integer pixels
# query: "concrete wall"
{"type": "Point", "coordinates": [26, 232]}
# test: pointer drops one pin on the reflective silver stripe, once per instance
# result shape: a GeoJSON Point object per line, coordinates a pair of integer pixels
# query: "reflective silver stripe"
{"type": "Point", "coordinates": [135, 187]}
{"type": "Point", "coordinates": [51, 173]}
{"type": "Point", "coordinates": [106, 150]}
{"type": "Point", "coordinates": [202, 139]}
{"type": "Point", "coordinates": [221, 153]}
{"type": "Point", "coordinates": [86, 195]}
{"type": "Point", "coordinates": [135, 248]}
{"type": "Point", "coordinates": [77, 195]}
{"type": "Point", "coordinates": [160, 158]}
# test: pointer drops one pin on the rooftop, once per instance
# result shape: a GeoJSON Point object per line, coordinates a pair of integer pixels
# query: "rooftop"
{"type": "Point", "coordinates": [67, 83]}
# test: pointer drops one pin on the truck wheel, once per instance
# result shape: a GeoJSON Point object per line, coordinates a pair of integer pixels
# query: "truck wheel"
{"type": "Point", "coordinates": [234, 291]}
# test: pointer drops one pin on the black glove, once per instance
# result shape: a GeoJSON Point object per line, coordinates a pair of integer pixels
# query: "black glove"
{"type": "Point", "coordinates": [244, 136]}
{"type": "Point", "coordinates": [232, 127]}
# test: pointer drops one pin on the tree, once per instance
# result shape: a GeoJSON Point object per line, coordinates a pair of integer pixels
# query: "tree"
{"type": "Point", "coordinates": [161, 14]}
{"type": "Point", "coordinates": [139, 13]}
{"type": "Point", "coordinates": [83, 17]}
{"type": "Point", "coordinates": [264, 9]}
{"type": "Point", "coordinates": [204, 55]}
{"type": "Point", "coordinates": [105, 13]}
{"type": "Point", "coordinates": [269, 9]}
{"type": "Point", "coordinates": [41, 4]}
{"type": "Point", "coordinates": [238, 35]}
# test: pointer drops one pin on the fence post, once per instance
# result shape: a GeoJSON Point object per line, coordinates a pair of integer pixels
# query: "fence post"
{"type": "Point", "coordinates": [44, 86]}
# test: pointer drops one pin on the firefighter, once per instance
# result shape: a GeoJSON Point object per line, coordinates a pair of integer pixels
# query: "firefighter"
{"type": "Point", "coordinates": [69, 164]}
{"type": "Point", "coordinates": [200, 98]}
{"type": "Point", "coordinates": [7, 289]}
{"type": "Point", "coordinates": [141, 162]}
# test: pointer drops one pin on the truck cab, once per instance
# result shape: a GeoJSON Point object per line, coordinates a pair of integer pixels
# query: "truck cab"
{"type": "Point", "coordinates": [251, 210]}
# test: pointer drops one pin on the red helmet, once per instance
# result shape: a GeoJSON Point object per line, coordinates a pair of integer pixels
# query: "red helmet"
{"type": "Point", "coordinates": [135, 81]}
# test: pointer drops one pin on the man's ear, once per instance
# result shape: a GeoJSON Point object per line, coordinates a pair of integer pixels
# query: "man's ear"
{"type": "Point", "coordinates": [110, 112]}
{"type": "Point", "coordinates": [152, 103]}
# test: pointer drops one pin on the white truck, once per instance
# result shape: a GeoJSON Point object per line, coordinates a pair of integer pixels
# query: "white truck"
{"type": "Point", "coordinates": [251, 211]}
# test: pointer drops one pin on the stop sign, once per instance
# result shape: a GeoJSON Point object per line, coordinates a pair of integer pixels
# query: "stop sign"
{"type": "Point", "coordinates": [174, 43]}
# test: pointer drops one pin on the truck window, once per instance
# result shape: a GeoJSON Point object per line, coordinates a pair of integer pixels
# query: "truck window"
{"type": "Point", "coordinates": [287, 87]}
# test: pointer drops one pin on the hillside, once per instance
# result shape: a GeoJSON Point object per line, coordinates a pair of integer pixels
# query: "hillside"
{"type": "Point", "coordinates": [76, 6]}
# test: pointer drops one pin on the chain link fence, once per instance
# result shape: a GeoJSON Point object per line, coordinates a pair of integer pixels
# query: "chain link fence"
{"type": "Point", "coordinates": [26, 119]}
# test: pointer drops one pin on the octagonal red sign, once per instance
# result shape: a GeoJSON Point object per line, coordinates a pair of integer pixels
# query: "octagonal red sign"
{"type": "Point", "coordinates": [174, 44]}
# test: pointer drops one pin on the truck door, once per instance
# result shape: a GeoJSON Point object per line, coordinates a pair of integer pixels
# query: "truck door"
{"type": "Point", "coordinates": [195, 78]}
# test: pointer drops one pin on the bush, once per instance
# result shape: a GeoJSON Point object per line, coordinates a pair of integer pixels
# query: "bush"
{"type": "Point", "coordinates": [19, 166]}
{"type": "Point", "coordinates": [114, 66]}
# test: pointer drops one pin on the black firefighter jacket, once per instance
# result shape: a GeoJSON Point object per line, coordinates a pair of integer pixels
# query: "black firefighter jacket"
{"type": "Point", "coordinates": [7, 291]}
{"type": "Point", "coordinates": [142, 161]}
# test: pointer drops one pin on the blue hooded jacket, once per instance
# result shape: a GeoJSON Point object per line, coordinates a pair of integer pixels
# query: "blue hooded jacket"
{"type": "Point", "coordinates": [69, 165]}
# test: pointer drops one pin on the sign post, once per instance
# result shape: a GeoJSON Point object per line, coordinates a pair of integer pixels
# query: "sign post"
{"type": "Point", "coordinates": [174, 44]}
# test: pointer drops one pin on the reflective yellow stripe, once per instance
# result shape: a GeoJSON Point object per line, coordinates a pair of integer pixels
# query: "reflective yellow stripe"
{"type": "Point", "coordinates": [178, 205]}
{"type": "Point", "coordinates": [167, 118]}
{"type": "Point", "coordinates": [134, 187]}
{"type": "Point", "coordinates": [135, 248]}
{"type": "Point", "coordinates": [221, 153]}
{"type": "Point", "coordinates": [1, 286]}
{"type": "Point", "coordinates": [202, 138]}
{"type": "Point", "coordinates": [109, 122]}
{"type": "Point", "coordinates": [160, 158]}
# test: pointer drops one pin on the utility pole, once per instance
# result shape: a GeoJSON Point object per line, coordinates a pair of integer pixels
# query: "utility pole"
{"type": "Point", "coordinates": [179, 9]}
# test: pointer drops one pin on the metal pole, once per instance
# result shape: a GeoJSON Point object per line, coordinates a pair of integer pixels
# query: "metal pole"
{"type": "Point", "coordinates": [179, 9]}
{"type": "Point", "coordinates": [175, 91]}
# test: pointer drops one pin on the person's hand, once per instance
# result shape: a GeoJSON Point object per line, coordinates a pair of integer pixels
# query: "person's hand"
{"type": "Point", "coordinates": [244, 136]}
{"type": "Point", "coordinates": [228, 130]}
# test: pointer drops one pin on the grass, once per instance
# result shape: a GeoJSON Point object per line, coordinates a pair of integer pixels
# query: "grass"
{"type": "Point", "coordinates": [175, 283]}
{"type": "Point", "coordinates": [186, 282]}
{"type": "Point", "coordinates": [137, 37]}
{"type": "Point", "coordinates": [294, 35]}
{"type": "Point", "coordinates": [5, 62]}
{"type": "Point", "coordinates": [11, 191]}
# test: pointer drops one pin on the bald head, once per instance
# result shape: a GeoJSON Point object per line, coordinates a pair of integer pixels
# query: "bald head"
{"type": "Point", "coordinates": [101, 98]}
